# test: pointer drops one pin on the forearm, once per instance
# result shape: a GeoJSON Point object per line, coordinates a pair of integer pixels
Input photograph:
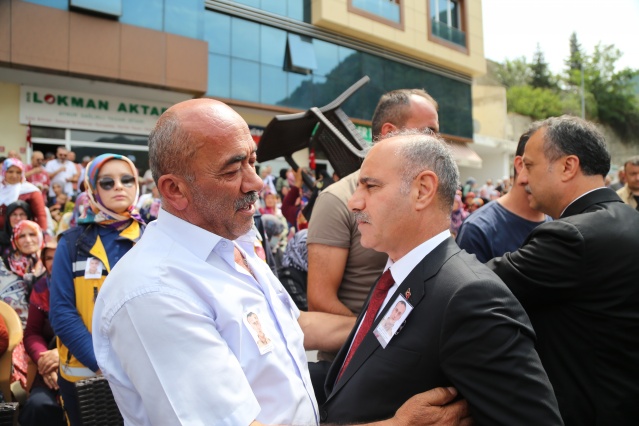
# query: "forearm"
{"type": "Point", "coordinates": [324, 283]}
{"type": "Point", "coordinates": [34, 342]}
{"type": "Point", "coordinates": [325, 332]}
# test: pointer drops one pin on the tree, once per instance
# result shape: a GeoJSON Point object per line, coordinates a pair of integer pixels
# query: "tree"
{"type": "Point", "coordinates": [575, 60]}
{"type": "Point", "coordinates": [541, 75]}
{"type": "Point", "coordinates": [536, 102]}
{"type": "Point", "coordinates": [513, 73]}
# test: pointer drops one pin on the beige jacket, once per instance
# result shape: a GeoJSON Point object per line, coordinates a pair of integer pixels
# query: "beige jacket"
{"type": "Point", "coordinates": [626, 196]}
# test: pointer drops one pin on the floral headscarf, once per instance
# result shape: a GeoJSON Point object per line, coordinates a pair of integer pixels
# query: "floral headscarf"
{"type": "Point", "coordinates": [99, 213]}
{"type": "Point", "coordinates": [21, 263]}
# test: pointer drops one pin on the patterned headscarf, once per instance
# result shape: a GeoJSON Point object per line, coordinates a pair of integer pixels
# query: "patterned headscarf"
{"type": "Point", "coordinates": [99, 213]}
{"type": "Point", "coordinates": [22, 263]}
{"type": "Point", "coordinates": [296, 254]}
{"type": "Point", "coordinates": [10, 162]}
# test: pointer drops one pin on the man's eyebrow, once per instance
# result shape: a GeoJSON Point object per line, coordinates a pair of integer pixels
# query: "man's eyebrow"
{"type": "Point", "coordinates": [239, 158]}
{"type": "Point", "coordinates": [368, 180]}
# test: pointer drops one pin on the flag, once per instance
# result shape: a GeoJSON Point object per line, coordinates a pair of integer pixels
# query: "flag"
{"type": "Point", "coordinates": [29, 135]}
{"type": "Point", "coordinates": [311, 159]}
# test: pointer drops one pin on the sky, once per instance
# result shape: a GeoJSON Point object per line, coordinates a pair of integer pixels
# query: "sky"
{"type": "Point", "coordinates": [512, 28]}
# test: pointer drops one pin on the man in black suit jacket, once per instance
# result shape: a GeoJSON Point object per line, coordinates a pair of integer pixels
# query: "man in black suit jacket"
{"type": "Point", "coordinates": [464, 327]}
{"type": "Point", "coordinates": [578, 277]}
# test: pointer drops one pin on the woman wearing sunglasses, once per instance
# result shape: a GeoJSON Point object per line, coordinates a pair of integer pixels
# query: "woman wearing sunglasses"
{"type": "Point", "coordinates": [85, 256]}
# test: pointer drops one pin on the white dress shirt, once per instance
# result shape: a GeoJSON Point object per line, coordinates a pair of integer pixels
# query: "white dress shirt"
{"type": "Point", "coordinates": [170, 334]}
{"type": "Point", "coordinates": [61, 178]}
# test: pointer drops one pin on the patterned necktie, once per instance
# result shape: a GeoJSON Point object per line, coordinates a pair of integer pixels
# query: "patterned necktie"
{"type": "Point", "coordinates": [379, 294]}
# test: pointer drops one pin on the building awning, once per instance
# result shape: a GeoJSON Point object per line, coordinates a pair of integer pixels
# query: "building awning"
{"type": "Point", "coordinates": [464, 155]}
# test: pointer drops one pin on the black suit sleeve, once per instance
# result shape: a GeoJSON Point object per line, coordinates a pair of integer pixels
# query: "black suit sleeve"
{"type": "Point", "coordinates": [546, 268]}
{"type": "Point", "coordinates": [487, 351]}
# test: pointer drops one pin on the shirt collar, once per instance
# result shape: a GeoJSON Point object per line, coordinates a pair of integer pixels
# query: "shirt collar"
{"type": "Point", "coordinates": [200, 241]}
{"type": "Point", "coordinates": [404, 266]}
{"type": "Point", "coordinates": [581, 196]}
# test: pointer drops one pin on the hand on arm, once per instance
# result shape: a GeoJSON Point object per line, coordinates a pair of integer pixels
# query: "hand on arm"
{"type": "Point", "coordinates": [48, 361]}
{"type": "Point", "coordinates": [323, 281]}
{"type": "Point", "coordinates": [325, 332]}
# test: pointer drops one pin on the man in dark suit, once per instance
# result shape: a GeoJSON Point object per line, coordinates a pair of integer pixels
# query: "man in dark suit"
{"type": "Point", "coordinates": [578, 276]}
{"type": "Point", "coordinates": [462, 327]}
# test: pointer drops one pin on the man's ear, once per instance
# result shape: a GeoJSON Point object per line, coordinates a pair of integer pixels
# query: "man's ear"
{"type": "Point", "coordinates": [426, 184]}
{"type": "Point", "coordinates": [571, 167]}
{"type": "Point", "coordinates": [387, 128]}
{"type": "Point", "coordinates": [174, 191]}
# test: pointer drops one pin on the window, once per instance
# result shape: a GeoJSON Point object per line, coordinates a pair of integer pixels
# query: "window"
{"type": "Point", "coordinates": [105, 7]}
{"type": "Point", "coordinates": [446, 21]}
{"type": "Point", "coordinates": [386, 11]}
{"type": "Point", "coordinates": [300, 55]}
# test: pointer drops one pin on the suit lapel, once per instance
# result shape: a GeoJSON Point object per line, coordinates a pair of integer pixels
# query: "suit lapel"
{"type": "Point", "coordinates": [601, 195]}
{"type": "Point", "coordinates": [415, 281]}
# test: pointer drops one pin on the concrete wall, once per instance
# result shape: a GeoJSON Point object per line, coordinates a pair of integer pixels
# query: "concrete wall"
{"type": "Point", "coordinates": [12, 133]}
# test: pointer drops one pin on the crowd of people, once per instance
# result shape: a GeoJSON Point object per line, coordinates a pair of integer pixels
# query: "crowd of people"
{"type": "Point", "coordinates": [430, 302]}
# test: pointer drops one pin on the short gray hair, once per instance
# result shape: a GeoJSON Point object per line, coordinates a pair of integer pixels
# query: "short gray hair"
{"type": "Point", "coordinates": [423, 150]}
{"type": "Point", "coordinates": [634, 161]}
{"type": "Point", "coordinates": [170, 149]}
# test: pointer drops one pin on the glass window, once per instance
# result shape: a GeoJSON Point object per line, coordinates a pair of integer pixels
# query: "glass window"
{"type": "Point", "coordinates": [219, 76]}
{"type": "Point", "coordinates": [47, 132]}
{"type": "Point", "coordinates": [252, 3]}
{"type": "Point", "coordinates": [300, 91]}
{"type": "Point", "coordinates": [327, 57]}
{"type": "Point", "coordinates": [272, 46]}
{"type": "Point", "coordinates": [446, 21]}
{"type": "Point", "coordinates": [272, 85]}
{"type": "Point", "coordinates": [301, 54]}
{"type": "Point", "coordinates": [245, 80]}
{"type": "Point", "coordinates": [107, 7]}
{"type": "Point", "coordinates": [143, 13]}
{"type": "Point", "coordinates": [385, 9]}
{"type": "Point", "coordinates": [274, 6]}
{"type": "Point", "coordinates": [217, 32]}
{"type": "Point", "coordinates": [184, 17]}
{"type": "Point", "coordinates": [58, 4]}
{"type": "Point", "coordinates": [89, 136]}
{"type": "Point", "coordinates": [245, 39]}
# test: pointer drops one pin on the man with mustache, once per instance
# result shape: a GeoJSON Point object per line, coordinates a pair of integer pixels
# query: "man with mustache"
{"type": "Point", "coordinates": [464, 327]}
{"type": "Point", "coordinates": [577, 275]}
{"type": "Point", "coordinates": [502, 225]}
{"type": "Point", "coordinates": [170, 324]}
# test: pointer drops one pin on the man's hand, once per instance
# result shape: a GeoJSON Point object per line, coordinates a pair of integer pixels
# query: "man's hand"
{"type": "Point", "coordinates": [433, 408]}
{"type": "Point", "coordinates": [48, 361]}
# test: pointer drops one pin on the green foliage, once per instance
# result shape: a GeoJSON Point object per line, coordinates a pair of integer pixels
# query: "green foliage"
{"type": "Point", "coordinates": [535, 102]}
{"type": "Point", "coordinates": [611, 96]}
{"type": "Point", "coordinates": [514, 73]}
{"type": "Point", "coordinates": [541, 75]}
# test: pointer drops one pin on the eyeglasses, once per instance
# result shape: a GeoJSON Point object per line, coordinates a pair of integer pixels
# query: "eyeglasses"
{"type": "Point", "coordinates": [107, 183]}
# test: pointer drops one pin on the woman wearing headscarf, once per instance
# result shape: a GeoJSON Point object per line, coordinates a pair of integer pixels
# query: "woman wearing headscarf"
{"type": "Point", "coordinates": [457, 216]}
{"type": "Point", "coordinates": [294, 271]}
{"type": "Point", "coordinates": [24, 268]}
{"type": "Point", "coordinates": [42, 407]}
{"type": "Point", "coordinates": [14, 187]}
{"type": "Point", "coordinates": [85, 256]}
{"type": "Point", "coordinates": [15, 212]}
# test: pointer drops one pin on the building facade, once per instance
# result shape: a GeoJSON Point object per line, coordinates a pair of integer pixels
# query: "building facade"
{"type": "Point", "coordinates": [94, 75]}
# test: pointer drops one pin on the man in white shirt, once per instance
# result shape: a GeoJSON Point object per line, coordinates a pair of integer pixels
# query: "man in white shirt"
{"type": "Point", "coordinates": [61, 171]}
{"type": "Point", "coordinates": [171, 324]}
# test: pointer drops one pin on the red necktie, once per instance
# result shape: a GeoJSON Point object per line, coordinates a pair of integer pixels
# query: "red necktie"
{"type": "Point", "coordinates": [379, 294]}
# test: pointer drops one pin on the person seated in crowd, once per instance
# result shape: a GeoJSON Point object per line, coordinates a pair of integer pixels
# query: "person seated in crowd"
{"type": "Point", "coordinates": [42, 406]}
{"type": "Point", "coordinates": [458, 215]}
{"type": "Point", "coordinates": [57, 189]}
{"type": "Point", "coordinates": [476, 204]}
{"type": "Point", "coordinates": [294, 271]}
{"type": "Point", "coordinates": [23, 269]}
{"type": "Point", "coordinates": [106, 231]}
{"type": "Point", "coordinates": [16, 211]}
{"type": "Point", "coordinates": [14, 187]}
{"type": "Point", "coordinates": [149, 204]}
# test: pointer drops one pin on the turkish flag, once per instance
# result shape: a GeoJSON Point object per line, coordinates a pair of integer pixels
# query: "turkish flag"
{"type": "Point", "coordinates": [311, 159]}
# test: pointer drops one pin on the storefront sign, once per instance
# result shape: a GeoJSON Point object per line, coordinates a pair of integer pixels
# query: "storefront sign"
{"type": "Point", "coordinates": [75, 110]}
{"type": "Point", "coordinates": [366, 132]}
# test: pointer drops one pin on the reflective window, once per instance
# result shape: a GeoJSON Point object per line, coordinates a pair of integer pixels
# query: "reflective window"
{"type": "Point", "coordinates": [219, 76]}
{"type": "Point", "coordinates": [295, 9]}
{"type": "Point", "coordinates": [88, 136]}
{"type": "Point", "coordinates": [58, 4]}
{"type": "Point", "coordinates": [274, 6]}
{"type": "Point", "coordinates": [272, 46]}
{"type": "Point", "coordinates": [245, 37]}
{"type": "Point", "coordinates": [253, 70]}
{"type": "Point", "coordinates": [217, 32]}
{"type": "Point", "coordinates": [47, 132]}
{"type": "Point", "coordinates": [446, 21]}
{"type": "Point", "coordinates": [143, 13]}
{"type": "Point", "coordinates": [184, 17]}
{"type": "Point", "coordinates": [245, 80]}
{"type": "Point", "coordinates": [107, 7]}
{"type": "Point", "coordinates": [272, 85]}
{"type": "Point", "coordinates": [301, 55]}
{"type": "Point", "coordinates": [385, 9]}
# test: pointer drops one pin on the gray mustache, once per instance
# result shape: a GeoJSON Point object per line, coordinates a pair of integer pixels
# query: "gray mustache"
{"type": "Point", "coordinates": [361, 217]}
{"type": "Point", "coordinates": [246, 200]}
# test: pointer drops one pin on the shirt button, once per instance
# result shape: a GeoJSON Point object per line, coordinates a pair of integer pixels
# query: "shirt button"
{"type": "Point", "coordinates": [323, 415]}
{"type": "Point", "coordinates": [223, 243]}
